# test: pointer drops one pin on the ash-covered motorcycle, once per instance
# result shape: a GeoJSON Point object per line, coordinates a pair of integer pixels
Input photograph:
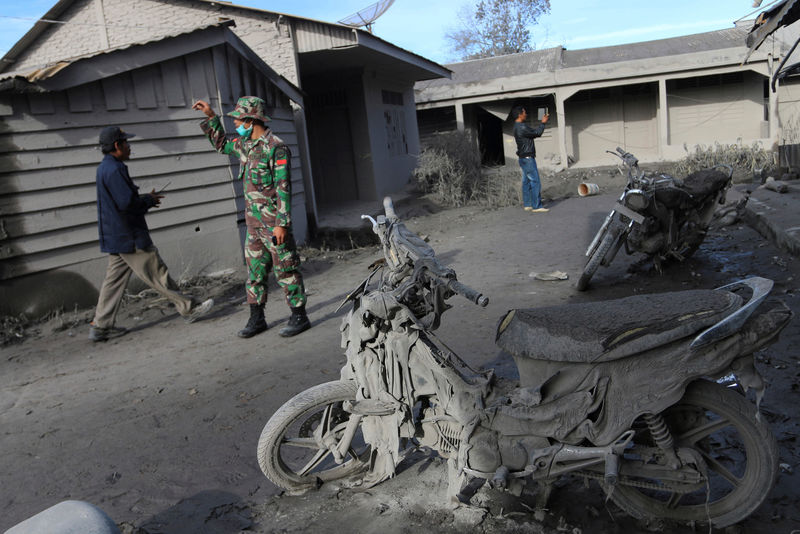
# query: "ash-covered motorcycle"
{"type": "Point", "coordinates": [644, 394]}
{"type": "Point", "coordinates": [658, 215]}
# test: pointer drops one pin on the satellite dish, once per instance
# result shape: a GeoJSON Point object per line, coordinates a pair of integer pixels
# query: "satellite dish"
{"type": "Point", "coordinates": [367, 16]}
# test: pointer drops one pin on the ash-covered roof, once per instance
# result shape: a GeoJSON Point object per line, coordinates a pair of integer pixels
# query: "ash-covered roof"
{"type": "Point", "coordinates": [551, 59]}
{"type": "Point", "coordinates": [685, 44]}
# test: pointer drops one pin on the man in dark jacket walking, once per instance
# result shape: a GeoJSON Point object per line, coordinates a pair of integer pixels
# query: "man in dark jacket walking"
{"type": "Point", "coordinates": [125, 236]}
{"type": "Point", "coordinates": [526, 151]}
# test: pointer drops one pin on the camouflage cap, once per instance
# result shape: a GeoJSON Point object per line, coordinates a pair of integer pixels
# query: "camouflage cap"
{"type": "Point", "coordinates": [249, 107]}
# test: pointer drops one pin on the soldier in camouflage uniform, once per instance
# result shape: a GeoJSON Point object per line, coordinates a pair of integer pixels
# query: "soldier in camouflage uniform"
{"type": "Point", "coordinates": [264, 163]}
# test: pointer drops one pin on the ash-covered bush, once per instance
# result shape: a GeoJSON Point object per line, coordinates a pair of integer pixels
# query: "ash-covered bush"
{"type": "Point", "coordinates": [745, 160]}
{"type": "Point", "coordinates": [450, 170]}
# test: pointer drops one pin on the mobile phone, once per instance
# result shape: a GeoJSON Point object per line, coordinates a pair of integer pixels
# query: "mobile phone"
{"type": "Point", "coordinates": [274, 240]}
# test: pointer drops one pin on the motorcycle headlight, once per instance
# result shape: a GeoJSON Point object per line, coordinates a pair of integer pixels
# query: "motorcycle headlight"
{"type": "Point", "coordinates": [635, 199]}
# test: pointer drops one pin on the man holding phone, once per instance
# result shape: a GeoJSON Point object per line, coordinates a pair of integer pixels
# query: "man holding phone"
{"type": "Point", "coordinates": [264, 168]}
{"type": "Point", "coordinates": [125, 236]}
{"type": "Point", "coordinates": [526, 151]}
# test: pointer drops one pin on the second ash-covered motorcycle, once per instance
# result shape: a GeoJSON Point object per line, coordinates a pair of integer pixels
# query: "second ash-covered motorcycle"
{"type": "Point", "coordinates": [644, 395]}
{"type": "Point", "coordinates": [658, 215]}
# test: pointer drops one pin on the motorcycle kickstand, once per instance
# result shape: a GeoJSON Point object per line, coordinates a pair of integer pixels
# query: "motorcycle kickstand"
{"type": "Point", "coordinates": [460, 488]}
{"type": "Point", "coordinates": [543, 492]}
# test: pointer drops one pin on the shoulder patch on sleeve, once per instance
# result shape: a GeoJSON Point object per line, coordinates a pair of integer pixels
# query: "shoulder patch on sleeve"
{"type": "Point", "coordinates": [281, 156]}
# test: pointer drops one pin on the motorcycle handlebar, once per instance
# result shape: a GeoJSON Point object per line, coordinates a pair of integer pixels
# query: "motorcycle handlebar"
{"type": "Point", "coordinates": [468, 293]}
{"type": "Point", "coordinates": [454, 285]}
{"type": "Point", "coordinates": [726, 167]}
{"type": "Point", "coordinates": [388, 207]}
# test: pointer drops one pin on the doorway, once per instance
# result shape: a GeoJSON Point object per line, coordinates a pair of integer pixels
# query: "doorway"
{"type": "Point", "coordinates": [331, 146]}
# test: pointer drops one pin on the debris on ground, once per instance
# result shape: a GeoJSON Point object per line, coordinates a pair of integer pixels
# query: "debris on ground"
{"type": "Point", "coordinates": [550, 276]}
{"type": "Point", "coordinates": [12, 329]}
{"type": "Point", "coordinates": [778, 186]}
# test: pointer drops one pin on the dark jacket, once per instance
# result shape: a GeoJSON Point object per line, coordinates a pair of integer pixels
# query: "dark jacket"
{"type": "Point", "coordinates": [120, 209]}
{"type": "Point", "coordinates": [524, 136]}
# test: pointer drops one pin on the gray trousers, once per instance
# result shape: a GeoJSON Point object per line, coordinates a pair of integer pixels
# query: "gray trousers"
{"type": "Point", "coordinates": [150, 269]}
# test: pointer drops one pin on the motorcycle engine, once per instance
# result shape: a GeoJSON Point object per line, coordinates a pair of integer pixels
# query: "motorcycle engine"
{"type": "Point", "coordinates": [439, 433]}
{"type": "Point", "coordinates": [646, 238]}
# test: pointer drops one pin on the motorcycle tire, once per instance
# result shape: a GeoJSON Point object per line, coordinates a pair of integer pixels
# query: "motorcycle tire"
{"type": "Point", "coordinates": [739, 451]}
{"type": "Point", "coordinates": [595, 260]}
{"type": "Point", "coordinates": [289, 455]}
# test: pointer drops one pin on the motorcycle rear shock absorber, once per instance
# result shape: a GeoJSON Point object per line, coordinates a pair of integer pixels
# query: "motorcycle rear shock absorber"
{"type": "Point", "coordinates": [662, 437]}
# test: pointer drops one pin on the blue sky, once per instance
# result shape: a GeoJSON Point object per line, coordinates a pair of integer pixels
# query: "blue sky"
{"type": "Point", "coordinates": [420, 25]}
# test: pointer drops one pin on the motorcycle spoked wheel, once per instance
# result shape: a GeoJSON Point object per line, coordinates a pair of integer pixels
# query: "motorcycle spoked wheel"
{"type": "Point", "coordinates": [596, 259]}
{"type": "Point", "coordinates": [289, 455]}
{"type": "Point", "coordinates": [740, 455]}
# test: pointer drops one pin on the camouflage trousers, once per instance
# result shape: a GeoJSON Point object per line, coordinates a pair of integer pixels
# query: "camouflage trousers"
{"type": "Point", "coordinates": [261, 256]}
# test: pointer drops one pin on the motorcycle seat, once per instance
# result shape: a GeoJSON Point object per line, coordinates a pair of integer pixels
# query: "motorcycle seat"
{"type": "Point", "coordinates": [609, 330]}
{"type": "Point", "coordinates": [706, 182]}
{"type": "Point", "coordinates": [691, 190]}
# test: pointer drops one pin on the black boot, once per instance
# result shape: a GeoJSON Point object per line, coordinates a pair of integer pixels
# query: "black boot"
{"type": "Point", "coordinates": [256, 324]}
{"type": "Point", "coordinates": [298, 322]}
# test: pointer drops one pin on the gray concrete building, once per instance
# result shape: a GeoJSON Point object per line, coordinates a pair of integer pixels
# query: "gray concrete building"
{"type": "Point", "coordinates": [657, 99]}
{"type": "Point", "coordinates": [340, 97]}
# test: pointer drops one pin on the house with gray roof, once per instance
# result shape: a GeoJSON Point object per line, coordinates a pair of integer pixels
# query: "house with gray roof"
{"type": "Point", "coordinates": [656, 99]}
{"type": "Point", "coordinates": [340, 97]}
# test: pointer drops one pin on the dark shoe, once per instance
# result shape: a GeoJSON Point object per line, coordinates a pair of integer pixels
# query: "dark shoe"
{"type": "Point", "coordinates": [199, 310]}
{"type": "Point", "coordinates": [256, 324]}
{"type": "Point", "coordinates": [97, 333]}
{"type": "Point", "coordinates": [298, 322]}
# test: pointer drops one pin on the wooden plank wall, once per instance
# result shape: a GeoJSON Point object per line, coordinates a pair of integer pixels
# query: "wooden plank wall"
{"type": "Point", "coordinates": [49, 153]}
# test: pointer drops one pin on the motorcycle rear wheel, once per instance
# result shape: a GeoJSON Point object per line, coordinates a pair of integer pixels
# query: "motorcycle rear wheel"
{"type": "Point", "coordinates": [595, 260]}
{"type": "Point", "coordinates": [740, 453]}
{"type": "Point", "coordinates": [288, 453]}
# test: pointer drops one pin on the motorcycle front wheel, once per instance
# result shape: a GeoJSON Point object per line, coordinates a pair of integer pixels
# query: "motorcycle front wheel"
{"type": "Point", "coordinates": [595, 260]}
{"type": "Point", "coordinates": [739, 452]}
{"type": "Point", "coordinates": [290, 452]}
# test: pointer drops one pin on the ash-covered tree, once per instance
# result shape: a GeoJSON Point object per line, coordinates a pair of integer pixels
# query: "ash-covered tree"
{"type": "Point", "coordinates": [495, 28]}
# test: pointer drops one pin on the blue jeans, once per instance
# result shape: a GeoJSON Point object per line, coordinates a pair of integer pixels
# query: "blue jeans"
{"type": "Point", "coordinates": [531, 187]}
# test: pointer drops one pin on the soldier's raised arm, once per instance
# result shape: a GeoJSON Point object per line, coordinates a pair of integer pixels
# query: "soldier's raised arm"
{"type": "Point", "coordinates": [212, 127]}
{"type": "Point", "coordinates": [202, 105]}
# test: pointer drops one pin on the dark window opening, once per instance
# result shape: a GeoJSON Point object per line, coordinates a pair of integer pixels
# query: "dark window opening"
{"type": "Point", "coordinates": [435, 121]}
{"type": "Point", "coordinates": [392, 98]}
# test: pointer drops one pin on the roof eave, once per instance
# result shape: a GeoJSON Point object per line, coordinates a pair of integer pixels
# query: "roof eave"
{"type": "Point", "coordinates": [377, 44]}
{"type": "Point", "coordinates": [8, 60]}
{"type": "Point", "coordinates": [114, 62]}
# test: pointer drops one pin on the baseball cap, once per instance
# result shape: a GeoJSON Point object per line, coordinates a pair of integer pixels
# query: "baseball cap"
{"type": "Point", "coordinates": [111, 134]}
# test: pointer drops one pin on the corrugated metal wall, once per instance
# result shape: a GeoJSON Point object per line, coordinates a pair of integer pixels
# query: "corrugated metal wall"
{"type": "Point", "coordinates": [49, 153]}
{"type": "Point", "coordinates": [720, 108]}
{"type": "Point", "coordinates": [312, 36]}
